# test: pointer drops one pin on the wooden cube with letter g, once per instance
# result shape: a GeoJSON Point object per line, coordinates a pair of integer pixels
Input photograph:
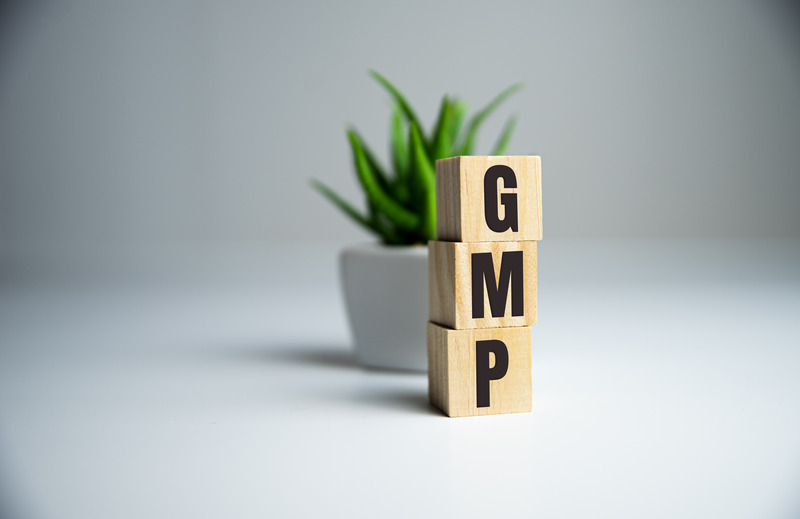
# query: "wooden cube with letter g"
{"type": "Point", "coordinates": [480, 372]}
{"type": "Point", "coordinates": [489, 198]}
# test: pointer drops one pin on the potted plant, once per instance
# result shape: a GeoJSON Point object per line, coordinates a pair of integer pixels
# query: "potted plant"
{"type": "Point", "coordinates": [386, 284]}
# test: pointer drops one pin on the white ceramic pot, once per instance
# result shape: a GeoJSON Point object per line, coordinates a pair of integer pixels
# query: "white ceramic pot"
{"type": "Point", "coordinates": [386, 290]}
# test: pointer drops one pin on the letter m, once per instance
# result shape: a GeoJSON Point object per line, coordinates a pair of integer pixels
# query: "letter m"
{"type": "Point", "coordinates": [497, 290]}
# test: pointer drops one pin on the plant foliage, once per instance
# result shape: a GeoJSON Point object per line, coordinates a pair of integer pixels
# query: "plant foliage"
{"type": "Point", "coordinates": [401, 199]}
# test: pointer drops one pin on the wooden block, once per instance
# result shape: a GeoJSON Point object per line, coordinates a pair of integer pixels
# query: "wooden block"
{"type": "Point", "coordinates": [479, 372]}
{"type": "Point", "coordinates": [482, 284]}
{"type": "Point", "coordinates": [489, 199]}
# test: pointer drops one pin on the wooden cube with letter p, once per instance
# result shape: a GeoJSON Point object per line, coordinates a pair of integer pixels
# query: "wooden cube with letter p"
{"type": "Point", "coordinates": [482, 284]}
{"type": "Point", "coordinates": [480, 372]}
{"type": "Point", "coordinates": [489, 199]}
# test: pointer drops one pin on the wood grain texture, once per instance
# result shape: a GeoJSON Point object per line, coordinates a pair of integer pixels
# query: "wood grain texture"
{"type": "Point", "coordinates": [452, 373]}
{"type": "Point", "coordinates": [450, 287]}
{"type": "Point", "coordinates": [460, 198]}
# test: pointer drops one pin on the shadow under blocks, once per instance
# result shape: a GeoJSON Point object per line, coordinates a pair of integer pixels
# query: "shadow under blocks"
{"type": "Point", "coordinates": [482, 284]}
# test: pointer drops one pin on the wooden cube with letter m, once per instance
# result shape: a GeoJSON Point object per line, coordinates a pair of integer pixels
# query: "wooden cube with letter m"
{"type": "Point", "coordinates": [482, 284]}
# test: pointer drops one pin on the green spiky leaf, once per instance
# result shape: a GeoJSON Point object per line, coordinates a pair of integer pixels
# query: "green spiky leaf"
{"type": "Point", "coordinates": [394, 211]}
{"type": "Point", "coordinates": [459, 113]}
{"type": "Point", "coordinates": [505, 137]}
{"type": "Point", "coordinates": [478, 119]}
{"type": "Point", "coordinates": [399, 98]}
{"type": "Point", "coordinates": [342, 204]}
{"type": "Point", "coordinates": [399, 151]}
{"type": "Point", "coordinates": [424, 177]}
{"type": "Point", "coordinates": [374, 164]}
{"type": "Point", "coordinates": [441, 145]}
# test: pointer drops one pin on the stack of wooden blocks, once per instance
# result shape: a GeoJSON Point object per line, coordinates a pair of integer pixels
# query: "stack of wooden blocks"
{"type": "Point", "coordinates": [482, 284]}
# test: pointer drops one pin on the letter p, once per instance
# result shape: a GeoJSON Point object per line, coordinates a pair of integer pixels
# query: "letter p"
{"type": "Point", "coordinates": [483, 373]}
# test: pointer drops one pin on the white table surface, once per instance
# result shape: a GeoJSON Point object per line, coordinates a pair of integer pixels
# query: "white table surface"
{"type": "Point", "coordinates": [666, 384]}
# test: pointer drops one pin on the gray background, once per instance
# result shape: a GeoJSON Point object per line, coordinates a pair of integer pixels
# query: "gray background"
{"type": "Point", "coordinates": [194, 123]}
{"type": "Point", "coordinates": [173, 341]}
